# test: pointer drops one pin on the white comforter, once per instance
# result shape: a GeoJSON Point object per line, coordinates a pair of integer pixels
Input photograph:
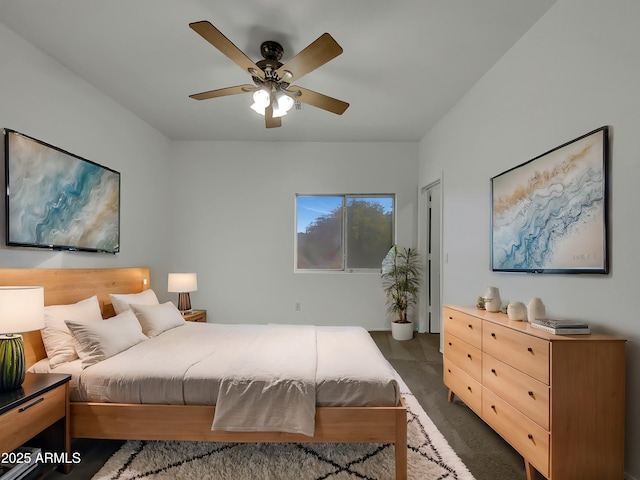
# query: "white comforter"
{"type": "Point", "coordinates": [260, 377]}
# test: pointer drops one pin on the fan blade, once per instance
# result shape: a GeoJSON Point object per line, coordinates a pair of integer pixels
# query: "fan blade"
{"type": "Point", "coordinates": [319, 100]}
{"type": "Point", "coordinates": [223, 92]}
{"type": "Point", "coordinates": [315, 55]}
{"type": "Point", "coordinates": [212, 35]}
{"type": "Point", "coordinates": [269, 120]}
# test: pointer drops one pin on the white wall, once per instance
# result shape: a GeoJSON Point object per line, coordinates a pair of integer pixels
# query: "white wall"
{"type": "Point", "coordinates": [41, 98]}
{"type": "Point", "coordinates": [222, 209]}
{"type": "Point", "coordinates": [576, 69]}
{"type": "Point", "coordinates": [234, 219]}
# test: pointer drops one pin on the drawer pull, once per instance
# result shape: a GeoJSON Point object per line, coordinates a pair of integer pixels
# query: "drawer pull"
{"type": "Point", "coordinates": [493, 335]}
{"type": "Point", "coordinates": [471, 326]}
{"type": "Point", "coordinates": [450, 343]}
{"type": "Point", "coordinates": [530, 437]}
{"type": "Point", "coordinates": [493, 370]}
{"type": "Point", "coordinates": [32, 404]}
{"type": "Point", "coordinates": [529, 349]}
{"type": "Point", "coordinates": [449, 370]}
{"type": "Point", "coordinates": [493, 407]}
{"type": "Point", "coordinates": [469, 355]}
{"type": "Point", "coordinates": [530, 393]}
{"type": "Point", "coordinates": [469, 388]}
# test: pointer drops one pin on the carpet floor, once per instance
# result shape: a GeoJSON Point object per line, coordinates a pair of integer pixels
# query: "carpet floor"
{"type": "Point", "coordinates": [429, 458]}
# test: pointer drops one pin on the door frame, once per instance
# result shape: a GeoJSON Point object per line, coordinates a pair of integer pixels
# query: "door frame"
{"type": "Point", "coordinates": [431, 324]}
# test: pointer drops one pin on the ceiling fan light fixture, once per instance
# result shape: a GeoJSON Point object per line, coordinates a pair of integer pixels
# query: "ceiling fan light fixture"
{"type": "Point", "coordinates": [258, 109]}
{"type": "Point", "coordinates": [261, 99]}
{"type": "Point", "coordinates": [285, 102]}
{"type": "Point", "coordinates": [282, 105]}
{"type": "Point", "coordinates": [278, 112]}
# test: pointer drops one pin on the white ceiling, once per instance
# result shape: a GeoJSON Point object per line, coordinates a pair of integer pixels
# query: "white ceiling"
{"type": "Point", "coordinates": [405, 62]}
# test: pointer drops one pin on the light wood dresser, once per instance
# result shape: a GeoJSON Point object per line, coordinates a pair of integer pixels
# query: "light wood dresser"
{"type": "Point", "coordinates": [559, 400]}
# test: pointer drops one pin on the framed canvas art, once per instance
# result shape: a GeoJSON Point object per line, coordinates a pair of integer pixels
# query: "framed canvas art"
{"type": "Point", "coordinates": [58, 200]}
{"type": "Point", "coordinates": [549, 214]}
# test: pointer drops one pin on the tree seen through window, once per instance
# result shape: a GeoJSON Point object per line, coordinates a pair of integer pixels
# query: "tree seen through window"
{"type": "Point", "coordinates": [343, 232]}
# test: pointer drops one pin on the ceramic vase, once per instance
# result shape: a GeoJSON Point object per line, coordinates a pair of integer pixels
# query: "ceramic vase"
{"type": "Point", "coordinates": [536, 309]}
{"type": "Point", "coordinates": [516, 311]}
{"type": "Point", "coordinates": [492, 302]}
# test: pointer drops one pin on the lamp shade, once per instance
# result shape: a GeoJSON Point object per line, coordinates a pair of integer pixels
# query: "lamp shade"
{"type": "Point", "coordinates": [21, 309]}
{"type": "Point", "coordinates": [183, 282]}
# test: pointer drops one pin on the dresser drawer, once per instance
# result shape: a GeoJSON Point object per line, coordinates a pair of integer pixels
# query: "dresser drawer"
{"type": "Point", "coordinates": [523, 352]}
{"type": "Point", "coordinates": [465, 387]}
{"type": "Point", "coordinates": [525, 393]}
{"type": "Point", "coordinates": [528, 438]}
{"type": "Point", "coordinates": [29, 419]}
{"type": "Point", "coordinates": [463, 326]}
{"type": "Point", "coordinates": [465, 356]}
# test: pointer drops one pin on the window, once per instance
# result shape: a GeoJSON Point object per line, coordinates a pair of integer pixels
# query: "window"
{"type": "Point", "coordinates": [343, 232]}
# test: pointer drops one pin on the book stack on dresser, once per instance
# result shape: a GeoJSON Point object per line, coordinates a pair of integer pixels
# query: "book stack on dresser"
{"type": "Point", "coordinates": [557, 399]}
{"type": "Point", "coordinates": [561, 327]}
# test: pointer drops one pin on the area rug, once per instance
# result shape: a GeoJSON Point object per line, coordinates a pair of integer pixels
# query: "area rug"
{"type": "Point", "coordinates": [429, 458]}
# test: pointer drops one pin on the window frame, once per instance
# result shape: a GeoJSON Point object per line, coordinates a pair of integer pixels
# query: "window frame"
{"type": "Point", "coordinates": [345, 197]}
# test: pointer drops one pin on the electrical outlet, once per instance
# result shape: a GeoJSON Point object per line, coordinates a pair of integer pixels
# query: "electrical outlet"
{"type": "Point", "coordinates": [297, 307]}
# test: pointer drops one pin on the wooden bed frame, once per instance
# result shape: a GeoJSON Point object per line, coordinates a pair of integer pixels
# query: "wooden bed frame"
{"type": "Point", "coordinates": [186, 422]}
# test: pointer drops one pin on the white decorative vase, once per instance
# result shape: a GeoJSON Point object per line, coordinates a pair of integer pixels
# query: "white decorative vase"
{"type": "Point", "coordinates": [536, 309]}
{"type": "Point", "coordinates": [516, 311]}
{"type": "Point", "coordinates": [492, 302]}
{"type": "Point", "coordinates": [402, 331]}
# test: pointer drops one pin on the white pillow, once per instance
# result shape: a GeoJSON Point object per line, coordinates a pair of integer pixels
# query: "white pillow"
{"type": "Point", "coordinates": [98, 341]}
{"type": "Point", "coordinates": [57, 339]}
{"type": "Point", "coordinates": [156, 319]}
{"type": "Point", "coordinates": [121, 301]}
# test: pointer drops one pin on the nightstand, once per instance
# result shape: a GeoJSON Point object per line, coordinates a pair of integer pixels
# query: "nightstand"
{"type": "Point", "coordinates": [38, 414]}
{"type": "Point", "coordinates": [196, 316]}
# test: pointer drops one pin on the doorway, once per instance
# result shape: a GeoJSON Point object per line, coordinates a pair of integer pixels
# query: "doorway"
{"type": "Point", "coordinates": [430, 227]}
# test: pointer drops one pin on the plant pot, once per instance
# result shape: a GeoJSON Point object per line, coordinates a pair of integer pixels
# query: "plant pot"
{"type": "Point", "coordinates": [402, 331]}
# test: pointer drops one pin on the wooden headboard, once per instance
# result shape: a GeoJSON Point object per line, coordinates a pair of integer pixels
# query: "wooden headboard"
{"type": "Point", "coordinates": [69, 285]}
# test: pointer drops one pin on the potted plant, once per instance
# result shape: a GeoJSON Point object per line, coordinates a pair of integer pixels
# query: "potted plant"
{"type": "Point", "coordinates": [401, 282]}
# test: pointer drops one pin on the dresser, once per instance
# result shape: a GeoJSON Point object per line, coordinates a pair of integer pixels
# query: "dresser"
{"type": "Point", "coordinates": [559, 400]}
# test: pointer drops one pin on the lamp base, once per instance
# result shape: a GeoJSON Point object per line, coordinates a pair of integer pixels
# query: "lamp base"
{"type": "Point", "coordinates": [12, 362]}
{"type": "Point", "coordinates": [184, 302]}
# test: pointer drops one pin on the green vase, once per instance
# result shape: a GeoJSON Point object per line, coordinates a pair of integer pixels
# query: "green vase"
{"type": "Point", "coordinates": [12, 363]}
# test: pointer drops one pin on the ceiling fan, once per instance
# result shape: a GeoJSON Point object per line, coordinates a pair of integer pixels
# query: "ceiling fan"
{"type": "Point", "coordinates": [273, 93]}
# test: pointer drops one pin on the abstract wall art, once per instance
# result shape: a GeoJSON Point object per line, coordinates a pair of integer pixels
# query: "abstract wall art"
{"type": "Point", "coordinates": [57, 200]}
{"type": "Point", "coordinates": [549, 215]}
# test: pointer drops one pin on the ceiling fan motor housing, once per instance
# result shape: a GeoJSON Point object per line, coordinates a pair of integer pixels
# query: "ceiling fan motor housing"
{"type": "Point", "coordinates": [272, 53]}
{"type": "Point", "coordinates": [271, 50]}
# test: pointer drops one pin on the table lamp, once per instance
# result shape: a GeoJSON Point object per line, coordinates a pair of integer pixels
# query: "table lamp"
{"type": "Point", "coordinates": [183, 283]}
{"type": "Point", "coordinates": [21, 310]}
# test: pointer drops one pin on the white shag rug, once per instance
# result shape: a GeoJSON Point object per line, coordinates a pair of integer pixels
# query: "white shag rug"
{"type": "Point", "coordinates": [429, 458]}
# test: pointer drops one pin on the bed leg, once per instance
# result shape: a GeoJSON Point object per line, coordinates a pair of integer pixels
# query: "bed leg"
{"type": "Point", "coordinates": [401, 445]}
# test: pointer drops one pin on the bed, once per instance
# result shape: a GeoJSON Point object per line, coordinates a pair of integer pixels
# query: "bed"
{"type": "Point", "coordinates": [161, 421]}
